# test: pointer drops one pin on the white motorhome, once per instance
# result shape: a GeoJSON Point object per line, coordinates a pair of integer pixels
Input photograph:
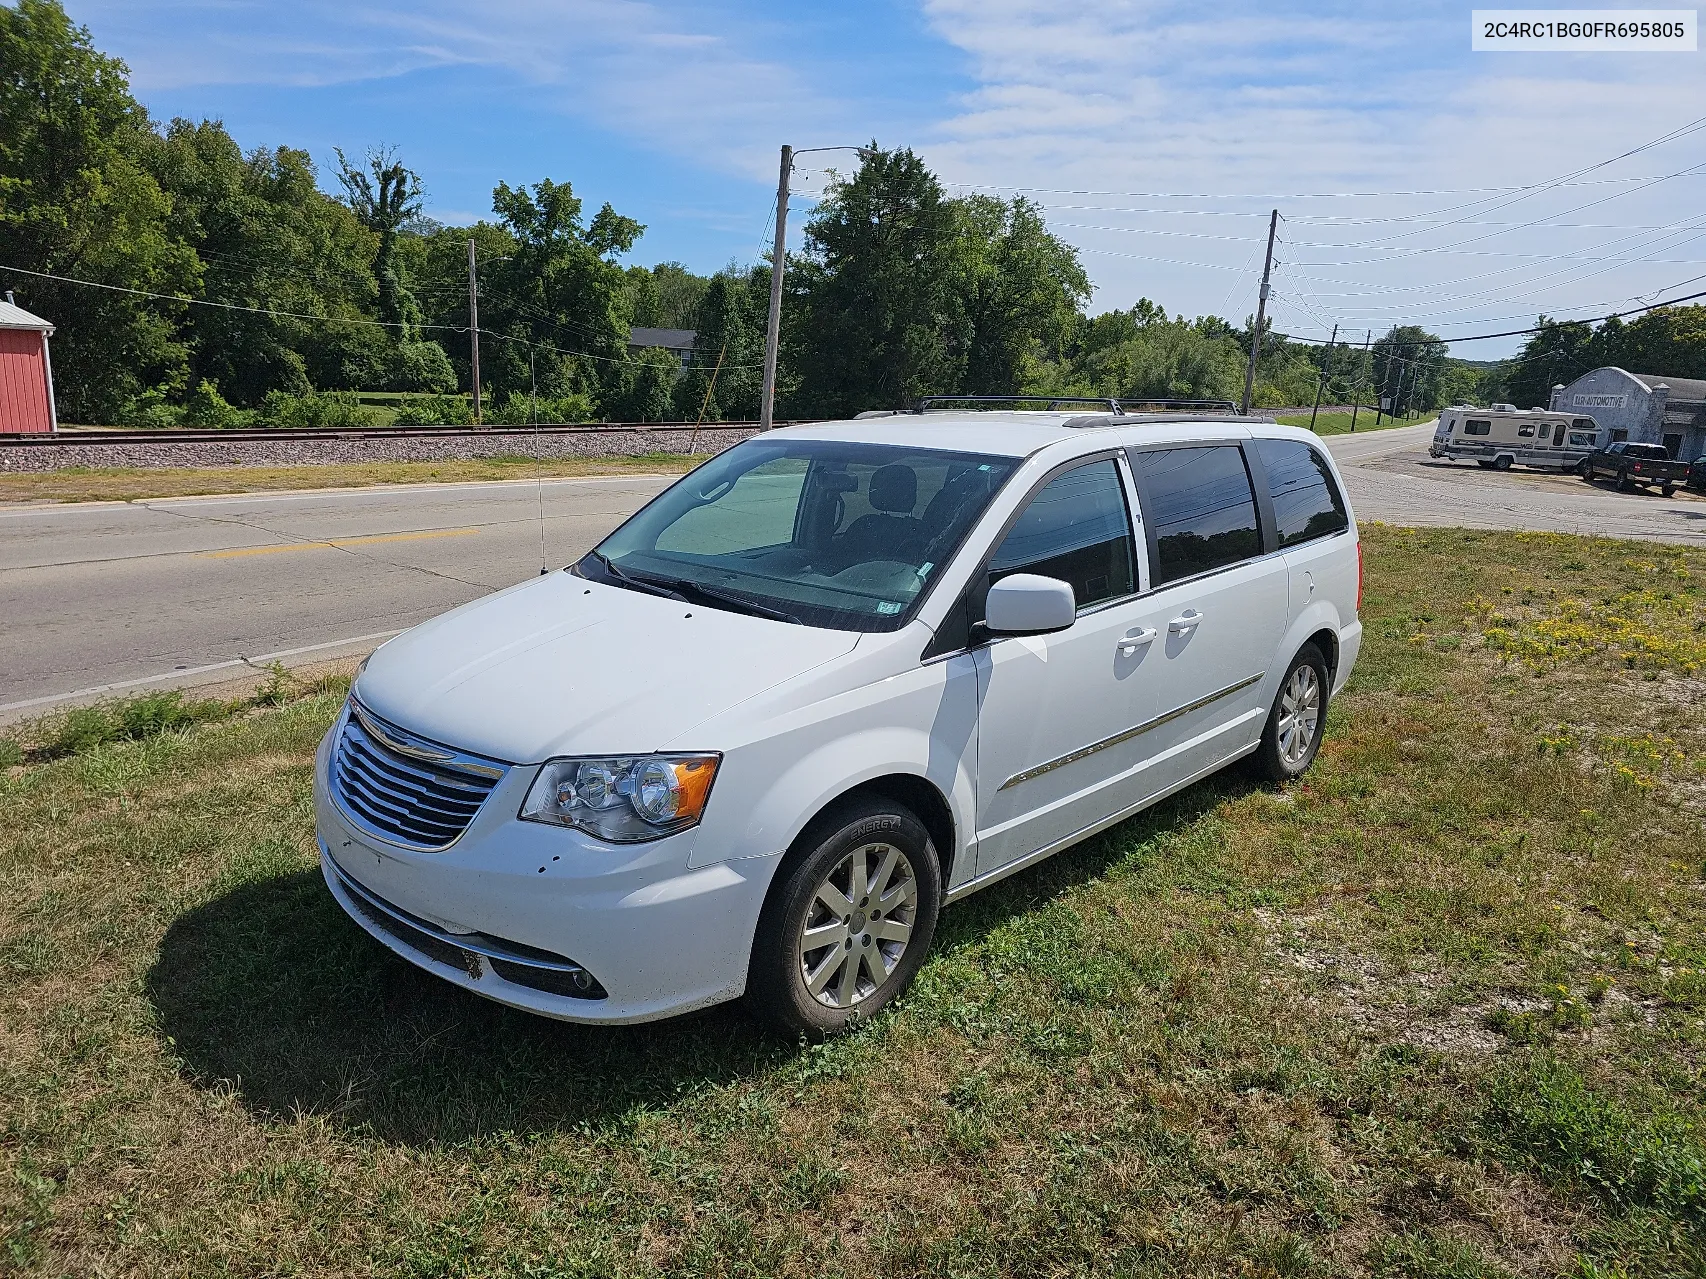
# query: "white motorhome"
{"type": "Point", "coordinates": [1499, 437]}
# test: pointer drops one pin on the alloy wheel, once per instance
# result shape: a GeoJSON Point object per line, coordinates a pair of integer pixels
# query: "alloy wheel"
{"type": "Point", "coordinates": [858, 925]}
{"type": "Point", "coordinates": [1300, 711]}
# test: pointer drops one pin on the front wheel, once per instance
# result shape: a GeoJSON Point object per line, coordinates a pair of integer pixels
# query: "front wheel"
{"type": "Point", "coordinates": [1299, 717]}
{"type": "Point", "coordinates": [1624, 485]}
{"type": "Point", "coordinates": [849, 923]}
{"type": "Point", "coordinates": [1669, 490]}
{"type": "Point", "coordinates": [1584, 468]}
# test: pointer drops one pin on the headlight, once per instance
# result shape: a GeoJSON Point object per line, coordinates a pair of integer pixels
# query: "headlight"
{"type": "Point", "coordinates": [624, 800]}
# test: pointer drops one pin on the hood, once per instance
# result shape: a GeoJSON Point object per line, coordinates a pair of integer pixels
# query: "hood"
{"type": "Point", "coordinates": [564, 666]}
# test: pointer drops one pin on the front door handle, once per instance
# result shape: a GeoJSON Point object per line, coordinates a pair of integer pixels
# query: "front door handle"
{"type": "Point", "coordinates": [1186, 621]}
{"type": "Point", "coordinates": [1135, 639]}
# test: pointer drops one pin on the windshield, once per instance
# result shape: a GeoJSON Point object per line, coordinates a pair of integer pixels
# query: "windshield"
{"type": "Point", "coordinates": [820, 532]}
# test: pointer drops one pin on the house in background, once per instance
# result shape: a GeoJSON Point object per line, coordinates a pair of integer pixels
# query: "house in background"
{"type": "Point", "coordinates": [1643, 407]}
{"type": "Point", "coordinates": [26, 374]}
{"type": "Point", "coordinates": [678, 342]}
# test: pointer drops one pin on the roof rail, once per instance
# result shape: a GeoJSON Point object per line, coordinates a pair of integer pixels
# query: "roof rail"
{"type": "Point", "coordinates": [1112, 404]}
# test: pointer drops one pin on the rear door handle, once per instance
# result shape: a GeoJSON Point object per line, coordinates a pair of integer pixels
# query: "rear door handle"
{"type": "Point", "coordinates": [1186, 621]}
{"type": "Point", "coordinates": [1135, 639]}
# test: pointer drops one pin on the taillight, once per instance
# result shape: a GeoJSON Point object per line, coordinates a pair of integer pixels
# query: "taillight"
{"type": "Point", "coordinates": [1359, 576]}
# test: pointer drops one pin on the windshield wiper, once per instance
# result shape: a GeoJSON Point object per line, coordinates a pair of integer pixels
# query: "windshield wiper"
{"type": "Point", "coordinates": [740, 603]}
{"type": "Point", "coordinates": [684, 590]}
{"type": "Point", "coordinates": [646, 584]}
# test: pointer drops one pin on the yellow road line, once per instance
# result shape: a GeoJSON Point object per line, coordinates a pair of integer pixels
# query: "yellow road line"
{"type": "Point", "coordinates": [340, 542]}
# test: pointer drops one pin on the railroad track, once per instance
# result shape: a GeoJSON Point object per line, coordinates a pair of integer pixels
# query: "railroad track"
{"type": "Point", "coordinates": [176, 436]}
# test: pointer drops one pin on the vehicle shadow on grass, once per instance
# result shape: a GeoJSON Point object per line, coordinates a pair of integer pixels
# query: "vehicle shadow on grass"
{"type": "Point", "coordinates": [271, 991]}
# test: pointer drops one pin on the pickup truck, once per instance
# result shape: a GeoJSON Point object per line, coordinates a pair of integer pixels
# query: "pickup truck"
{"type": "Point", "coordinates": [1631, 464]}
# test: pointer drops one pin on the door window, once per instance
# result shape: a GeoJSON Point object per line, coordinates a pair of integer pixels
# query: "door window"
{"type": "Point", "coordinates": [1076, 529]}
{"type": "Point", "coordinates": [1199, 509]}
{"type": "Point", "coordinates": [1307, 503]}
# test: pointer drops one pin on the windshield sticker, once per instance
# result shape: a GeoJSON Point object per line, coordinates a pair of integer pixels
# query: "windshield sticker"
{"type": "Point", "coordinates": [889, 606]}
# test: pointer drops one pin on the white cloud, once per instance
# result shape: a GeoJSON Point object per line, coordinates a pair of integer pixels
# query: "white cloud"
{"type": "Point", "coordinates": [1149, 96]}
{"type": "Point", "coordinates": [683, 82]}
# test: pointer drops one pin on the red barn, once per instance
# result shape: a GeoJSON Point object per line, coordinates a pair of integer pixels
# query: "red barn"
{"type": "Point", "coordinates": [26, 376]}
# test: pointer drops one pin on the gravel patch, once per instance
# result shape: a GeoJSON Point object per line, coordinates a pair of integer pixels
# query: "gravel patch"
{"type": "Point", "coordinates": [617, 442]}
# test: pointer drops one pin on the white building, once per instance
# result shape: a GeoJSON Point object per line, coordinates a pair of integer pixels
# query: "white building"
{"type": "Point", "coordinates": [1643, 407]}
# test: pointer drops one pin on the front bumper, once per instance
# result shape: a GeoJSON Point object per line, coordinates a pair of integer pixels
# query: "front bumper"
{"type": "Point", "coordinates": [540, 903]}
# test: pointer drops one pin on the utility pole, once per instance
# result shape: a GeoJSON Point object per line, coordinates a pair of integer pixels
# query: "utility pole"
{"type": "Point", "coordinates": [474, 331]}
{"type": "Point", "coordinates": [773, 331]}
{"type": "Point", "coordinates": [1382, 400]}
{"type": "Point", "coordinates": [1261, 313]}
{"type": "Point", "coordinates": [1332, 344]}
{"type": "Point", "coordinates": [1356, 387]}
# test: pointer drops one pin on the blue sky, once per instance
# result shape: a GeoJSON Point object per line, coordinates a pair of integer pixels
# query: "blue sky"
{"type": "Point", "coordinates": [1157, 135]}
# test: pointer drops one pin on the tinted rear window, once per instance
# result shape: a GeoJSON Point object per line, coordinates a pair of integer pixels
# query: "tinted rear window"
{"type": "Point", "coordinates": [1307, 502]}
{"type": "Point", "coordinates": [1199, 507]}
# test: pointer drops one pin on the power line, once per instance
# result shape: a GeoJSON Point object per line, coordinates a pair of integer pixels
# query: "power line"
{"type": "Point", "coordinates": [1270, 195]}
{"type": "Point", "coordinates": [325, 319]}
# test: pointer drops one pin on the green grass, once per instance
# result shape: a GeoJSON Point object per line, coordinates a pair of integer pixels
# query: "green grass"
{"type": "Point", "coordinates": [129, 484]}
{"type": "Point", "coordinates": [1434, 1011]}
{"type": "Point", "coordinates": [1340, 423]}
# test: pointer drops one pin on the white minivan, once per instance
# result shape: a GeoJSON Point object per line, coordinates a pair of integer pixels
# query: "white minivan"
{"type": "Point", "coordinates": [832, 680]}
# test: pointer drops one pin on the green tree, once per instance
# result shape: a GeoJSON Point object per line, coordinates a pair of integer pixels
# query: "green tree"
{"type": "Point", "coordinates": [270, 241]}
{"type": "Point", "coordinates": [75, 201]}
{"type": "Point", "coordinates": [1022, 289]}
{"type": "Point", "coordinates": [561, 297]}
{"type": "Point", "coordinates": [385, 197]}
{"type": "Point", "coordinates": [665, 297]}
{"type": "Point", "coordinates": [1558, 352]}
{"type": "Point", "coordinates": [728, 349]}
{"type": "Point", "coordinates": [875, 314]}
{"type": "Point", "coordinates": [1409, 363]}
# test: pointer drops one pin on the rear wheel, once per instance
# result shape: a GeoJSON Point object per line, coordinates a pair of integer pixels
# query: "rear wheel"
{"type": "Point", "coordinates": [1483, 463]}
{"type": "Point", "coordinates": [1501, 464]}
{"type": "Point", "coordinates": [1293, 732]}
{"type": "Point", "coordinates": [847, 927]}
{"type": "Point", "coordinates": [1669, 490]}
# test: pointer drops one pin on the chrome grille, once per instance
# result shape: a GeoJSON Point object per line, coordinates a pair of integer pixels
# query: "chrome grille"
{"type": "Point", "coordinates": [403, 788]}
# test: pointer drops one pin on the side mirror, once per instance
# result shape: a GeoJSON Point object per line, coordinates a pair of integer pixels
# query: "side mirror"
{"type": "Point", "coordinates": [1026, 604]}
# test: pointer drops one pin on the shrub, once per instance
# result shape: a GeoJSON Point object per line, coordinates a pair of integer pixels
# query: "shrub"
{"type": "Point", "coordinates": [434, 410]}
{"type": "Point", "coordinates": [149, 411]}
{"type": "Point", "coordinates": [421, 366]}
{"type": "Point", "coordinates": [317, 408]}
{"type": "Point", "coordinates": [519, 410]}
{"type": "Point", "coordinates": [206, 407]}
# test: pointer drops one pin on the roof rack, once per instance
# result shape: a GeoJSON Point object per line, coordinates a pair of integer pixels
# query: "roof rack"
{"type": "Point", "coordinates": [1112, 404]}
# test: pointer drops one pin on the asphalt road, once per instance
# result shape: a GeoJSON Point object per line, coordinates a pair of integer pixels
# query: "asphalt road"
{"type": "Point", "coordinates": [111, 597]}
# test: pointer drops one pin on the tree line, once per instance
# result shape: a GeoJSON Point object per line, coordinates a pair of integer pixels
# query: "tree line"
{"type": "Point", "coordinates": [214, 285]}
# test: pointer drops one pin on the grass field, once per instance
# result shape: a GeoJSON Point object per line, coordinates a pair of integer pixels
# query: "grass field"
{"type": "Point", "coordinates": [129, 484]}
{"type": "Point", "coordinates": [1435, 1011]}
{"type": "Point", "coordinates": [1340, 423]}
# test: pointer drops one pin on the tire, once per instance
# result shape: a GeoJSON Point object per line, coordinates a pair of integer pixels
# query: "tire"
{"type": "Point", "coordinates": [1584, 468]}
{"type": "Point", "coordinates": [1668, 490]}
{"type": "Point", "coordinates": [1283, 755]}
{"type": "Point", "coordinates": [1501, 464]}
{"type": "Point", "coordinates": [872, 845]}
{"type": "Point", "coordinates": [1483, 463]}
